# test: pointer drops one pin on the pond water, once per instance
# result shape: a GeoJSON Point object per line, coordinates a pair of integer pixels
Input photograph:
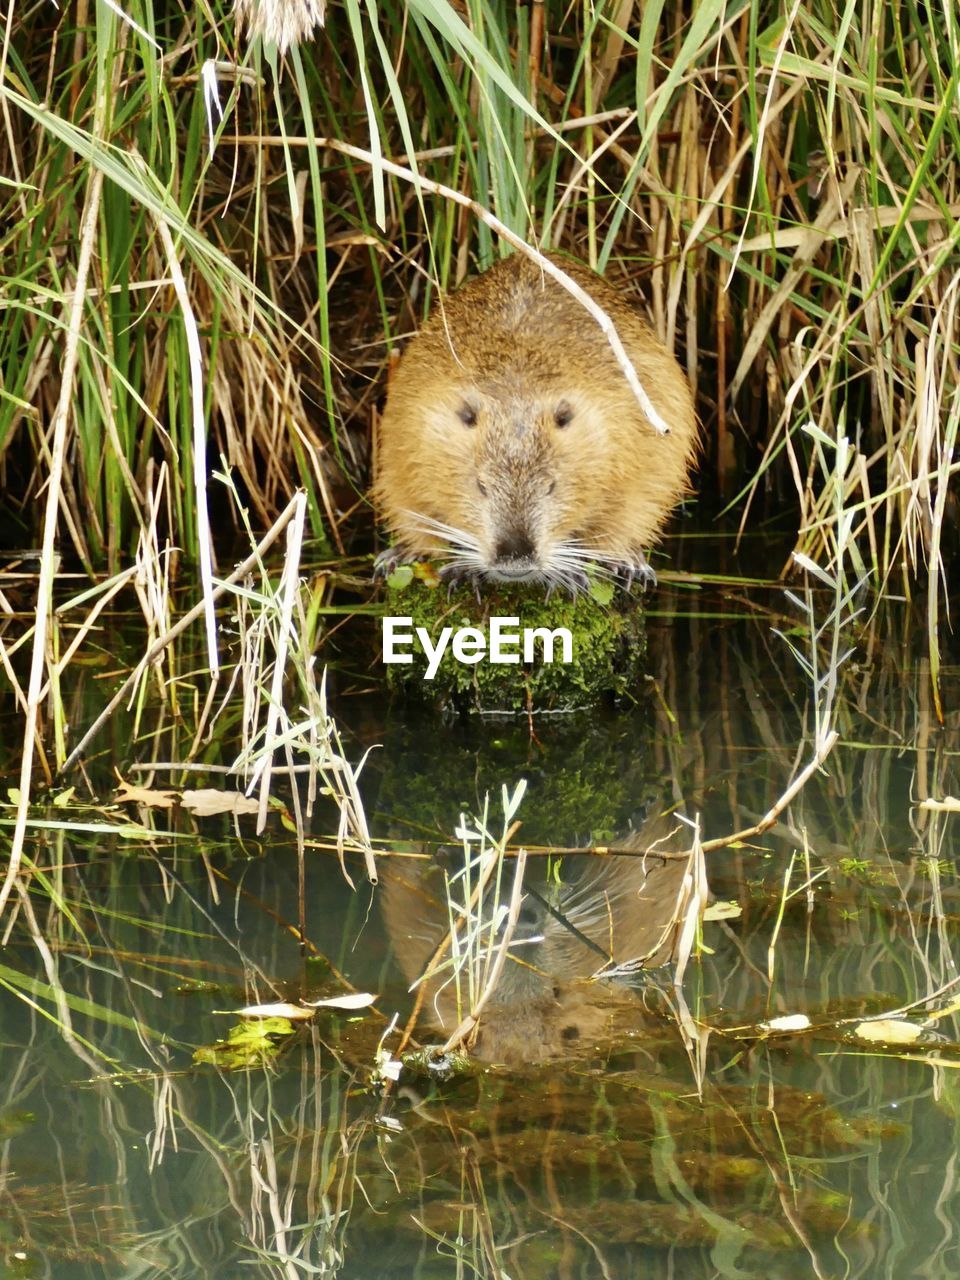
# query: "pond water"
{"type": "Point", "coordinates": [615, 1127]}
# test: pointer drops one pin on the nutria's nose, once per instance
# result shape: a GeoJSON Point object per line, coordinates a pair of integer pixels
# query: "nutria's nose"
{"type": "Point", "coordinates": [515, 545]}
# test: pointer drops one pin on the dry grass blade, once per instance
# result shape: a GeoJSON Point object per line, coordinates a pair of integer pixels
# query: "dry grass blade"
{"type": "Point", "coordinates": [176, 630]}
{"type": "Point", "coordinates": [469, 1024]}
{"type": "Point", "coordinates": [204, 536]}
{"type": "Point", "coordinates": [289, 586]}
{"type": "Point", "coordinates": [811, 241]}
{"type": "Point", "coordinates": [691, 904]}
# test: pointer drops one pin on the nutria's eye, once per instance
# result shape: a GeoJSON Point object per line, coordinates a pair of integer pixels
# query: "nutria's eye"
{"type": "Point", "coordinates": [550, 487]}
{"type": "Point", "coordinates": [467, 416]}
{"type": "Point", "coordinates": [482, 487]}
{"type": "Point", "coordinates": [563, 414]}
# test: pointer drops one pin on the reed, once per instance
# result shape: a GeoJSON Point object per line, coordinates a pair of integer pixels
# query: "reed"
{"type": "Point", "coordinates": [482, 915]}
{"type": "Point", "coordinates": [781, 186]}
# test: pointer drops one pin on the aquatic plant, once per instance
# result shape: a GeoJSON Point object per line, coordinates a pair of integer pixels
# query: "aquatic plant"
{"type": "Point", "coordinates": [782, 187]}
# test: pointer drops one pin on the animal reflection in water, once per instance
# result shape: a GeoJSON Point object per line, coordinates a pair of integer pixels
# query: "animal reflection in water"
{"type": "Point", "coordinates": [617, 912]}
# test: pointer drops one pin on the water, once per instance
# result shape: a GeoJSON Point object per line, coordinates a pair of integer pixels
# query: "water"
{"type": "Point", "coordinates": [606, 1128]}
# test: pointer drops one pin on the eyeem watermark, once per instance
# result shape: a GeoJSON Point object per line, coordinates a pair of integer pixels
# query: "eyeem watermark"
{"type": "Point", "coordinates": [504, 643]}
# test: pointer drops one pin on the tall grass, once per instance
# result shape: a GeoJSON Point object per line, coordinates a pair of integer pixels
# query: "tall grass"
{"type": "Point", "coordinates": [782, 185]}
{"type": "Point", "coordinates": [211, 248]}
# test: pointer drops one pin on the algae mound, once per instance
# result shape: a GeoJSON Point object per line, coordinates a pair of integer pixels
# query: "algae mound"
{"type": "Point", "coordinates": [605, 625]}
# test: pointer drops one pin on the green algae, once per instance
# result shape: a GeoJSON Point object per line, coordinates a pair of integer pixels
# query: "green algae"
{"type": "Point", "coordinates": [247, 1044]}
{"type": "Point", "coordinates": [606, 627]}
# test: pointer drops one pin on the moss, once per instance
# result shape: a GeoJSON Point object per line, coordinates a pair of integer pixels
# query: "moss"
{"type": "Point", "coordinates": [606, 627]}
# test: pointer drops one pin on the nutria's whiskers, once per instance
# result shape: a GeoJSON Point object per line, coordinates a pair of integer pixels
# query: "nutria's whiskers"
{"type": "Point", "coordinates": [577, 557]}
{"type": "Point", "coordinates": [453, 540]}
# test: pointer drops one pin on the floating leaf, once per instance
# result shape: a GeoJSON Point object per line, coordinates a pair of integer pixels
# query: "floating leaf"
{"type": "Point", "coordinates": [390, 1068]}
{"type": "Point", "coordinates": [208, 801]}
{"type": "Point", "coordinates": [353, 1000]}
{"type": "Point", "coordinates": [247, 1044]}
{"type": "Point", "coordinates": [788, 1022]}
{"type": "Point", "coordinates": [279, 1009]}
{"type": "Point", "coordinates": [889, 1031]}
{"type": "Point", "coordinates": [155, 799]}
{"type": "Point", "coordinates": [949, 804]}
{"type": "Point", "coordinates": [723, 911]}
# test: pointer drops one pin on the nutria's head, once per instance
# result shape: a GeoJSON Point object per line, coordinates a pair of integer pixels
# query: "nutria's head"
{"type": "Point", "coordinates": [505, 466]}
{"type": "Point", "coordinates": [511, 444]}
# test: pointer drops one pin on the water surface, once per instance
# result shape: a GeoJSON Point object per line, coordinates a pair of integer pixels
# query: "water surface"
{"type": "Point", "coordinates": [606, 1127]}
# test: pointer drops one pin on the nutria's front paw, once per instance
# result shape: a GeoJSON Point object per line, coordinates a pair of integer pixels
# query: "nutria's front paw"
{"type": "Point", "coordinates": [458, 575]}
{"type": "Point", "coordinates": [388, 560]}
{"type": "Point", "coordinates": [454, 574]}
{"type": "Point", "coordinates": [574, 581]}
{"type": "Point", "coordinates": [638, 570]}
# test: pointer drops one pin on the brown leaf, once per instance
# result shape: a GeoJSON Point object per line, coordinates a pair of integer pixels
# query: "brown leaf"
{"type": "Point", "coordinates": [280, 1009]}
{"type": "Point", "coordinates": [787, 1022]}
{"type": "Point", "coordinates": [207, 801]}
{"type": "Point", "coordinates": [127, 793]}
{"type": "Point", "coordinates": [949, 804]}
{"type": "Point", "coordinates": [353, 1000]}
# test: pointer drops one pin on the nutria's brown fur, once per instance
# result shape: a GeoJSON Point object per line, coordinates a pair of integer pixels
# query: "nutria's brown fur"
{"type": "Point", "coordinates": [544, 1006]}
{"type": "Point", "coordinates": [512, 443]}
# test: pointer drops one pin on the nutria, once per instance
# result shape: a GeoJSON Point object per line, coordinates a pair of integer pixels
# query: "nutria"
{"type": "Point", "coordinates": [511, 444]}
{"type": "Point", "coordinates": [623, 910]}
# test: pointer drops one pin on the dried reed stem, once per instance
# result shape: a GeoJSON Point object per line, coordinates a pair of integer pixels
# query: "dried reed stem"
{"type": "Point", "coordinates": [204, 537]}
{"type": "Point", "coordinates": [289, 588]}
{"type": "Point", "coordinates": [88, 230]}
{"type": "Point", "coordinates": [177, 629]}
